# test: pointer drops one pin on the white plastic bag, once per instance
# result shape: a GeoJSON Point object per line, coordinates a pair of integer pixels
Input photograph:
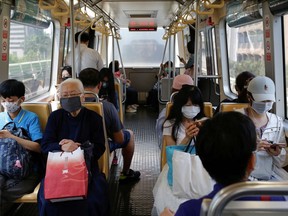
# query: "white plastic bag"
{"type": "Point", "coordinates": [190, 179]}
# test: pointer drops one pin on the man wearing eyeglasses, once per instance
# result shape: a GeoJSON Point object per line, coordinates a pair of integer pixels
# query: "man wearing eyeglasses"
{"type": "Point", "coordinates": [66, 130]}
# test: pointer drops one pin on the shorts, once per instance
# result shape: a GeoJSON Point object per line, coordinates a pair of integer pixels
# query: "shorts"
{"type": "Point", "coordinates": [113, 145]}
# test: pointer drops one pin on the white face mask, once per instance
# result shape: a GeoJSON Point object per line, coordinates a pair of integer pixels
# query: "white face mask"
{"type": "Point", "coordinates": [11, 107]}
{"type": "Point", "coordinates": [262, 107]}
{"type": "Point", "coordinates": [190, 111]}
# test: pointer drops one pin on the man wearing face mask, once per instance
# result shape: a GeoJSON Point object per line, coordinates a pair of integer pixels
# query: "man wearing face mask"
{"type": "Point", "coordinates": [271, 153]}
{"type": "Point", "coordinates": [66, 130]}
{"type": "Point", "coordinates": [12, 95]}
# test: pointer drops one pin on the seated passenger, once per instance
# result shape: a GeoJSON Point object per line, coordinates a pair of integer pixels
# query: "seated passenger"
{"type": "Point", "coordinates": [66, 72]}
{"type": "Point", "coordinates": [269, 128]}
{"type": "Point", "coordinates": [12, 95]}
{"type": "Point", "coordinates": [179, 128]}
{"type": "Point", "coordinates": [242, 81]}
{"type": "Point", "coordinates": [131, 93]}
{"type": "Point", "coordinates": [66, 129]}
{"type": "Point", "coordinates": [119, 137]}
{"type": "Point", "coordinates": [178, 82]}
{"type": "Point", "coordinates": [166, 70]}
{"type": "Point", "coordinates": [108, 91]}
{"type": "Point", "coordinates": [225, 145]}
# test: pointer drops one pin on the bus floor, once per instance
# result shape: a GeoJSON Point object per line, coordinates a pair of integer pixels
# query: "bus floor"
{"type": "Point", "coordinates": [129, 199]}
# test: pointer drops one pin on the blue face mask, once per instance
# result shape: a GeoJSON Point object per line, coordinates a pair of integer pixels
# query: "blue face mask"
{"type": "Point", "coordinates": [262, 107]}
{"type": "Point", "coordinates": [71, 104]}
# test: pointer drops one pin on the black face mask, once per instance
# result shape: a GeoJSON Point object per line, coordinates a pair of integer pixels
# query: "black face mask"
{"type": "Point", "coordinates": [71, 104]}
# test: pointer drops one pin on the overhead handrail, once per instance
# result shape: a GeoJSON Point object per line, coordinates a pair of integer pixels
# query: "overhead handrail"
{"type": "Point", "coordinates": [47, 6]}
{"type": "Point", "coordinates": [188, 18]}
{"type": "Point", "coordinates": [65, 11]}
{"type": "Point", "coordinates": [203, 12]}
{"type": "Point", "coordinates": [208, 4]}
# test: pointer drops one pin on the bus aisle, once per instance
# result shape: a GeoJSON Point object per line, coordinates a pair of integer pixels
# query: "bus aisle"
{"type": "Point", "coordinates": [137, 198]}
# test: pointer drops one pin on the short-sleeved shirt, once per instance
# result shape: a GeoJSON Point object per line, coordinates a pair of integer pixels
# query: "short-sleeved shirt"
{"type": "Point", "coordinates": [167, 130]}
{"type": "Point", "coordinates": [90, 58]}
{"type": "Point", "coordinates": [25, 119]}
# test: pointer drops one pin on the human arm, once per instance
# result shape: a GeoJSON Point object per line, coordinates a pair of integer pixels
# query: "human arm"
{"type": "Point", "coordinates": [27, 144]}
{"type": "Point", "coordinates": [167, 212]}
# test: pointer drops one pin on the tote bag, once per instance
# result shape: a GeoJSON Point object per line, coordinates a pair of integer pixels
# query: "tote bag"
{"type": "Point", "coordinates": [169, 154]}
{"type": "Point", "coordinates": [190, 179]}
{"type": "Point", "coordinates": [66, 176]}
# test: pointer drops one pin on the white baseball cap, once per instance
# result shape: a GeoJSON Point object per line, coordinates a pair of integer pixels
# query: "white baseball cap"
{"type": "Point", "coordinates": [262, 88]}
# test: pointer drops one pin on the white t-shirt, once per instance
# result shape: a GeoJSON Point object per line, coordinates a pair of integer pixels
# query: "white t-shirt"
{"type": "Point", "coordinates": [90, 58]}
{"type": "Point", "coordinates": [167, 130]}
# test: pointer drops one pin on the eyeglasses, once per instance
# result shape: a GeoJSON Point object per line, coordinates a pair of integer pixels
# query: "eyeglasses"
{"type": "Point", "coordinates": [66, 95]}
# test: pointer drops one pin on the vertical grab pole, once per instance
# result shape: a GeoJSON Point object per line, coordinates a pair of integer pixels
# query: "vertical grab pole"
{"type": "Point", "coordinates": [72, 38]}
{"type": "Point", "coordinates": [158, 77]}
{"type": "Point", "coordinates": [124, 72]}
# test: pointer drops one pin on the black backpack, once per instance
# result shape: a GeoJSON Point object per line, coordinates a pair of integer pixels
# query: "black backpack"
{"type": "Point", "coordinates": [15, 160]}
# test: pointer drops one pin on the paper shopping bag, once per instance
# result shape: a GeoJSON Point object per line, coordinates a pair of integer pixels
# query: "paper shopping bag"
{"type": "Point", "coordinates": [190, 179]}
{"type": "Point", "coordinates": [66, 176]}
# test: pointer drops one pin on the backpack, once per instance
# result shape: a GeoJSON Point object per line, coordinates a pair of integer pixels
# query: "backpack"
{"type": "Point", "coordinates": [15, 160]}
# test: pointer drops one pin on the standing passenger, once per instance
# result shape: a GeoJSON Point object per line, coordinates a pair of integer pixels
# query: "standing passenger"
{"type": "Point", "coordinates": [120, 137]}
{"type": "Point", "coordinates": [89, 58]}
{"type": "Point", "coordinates": [66, 130]}
{"type": "Point", "coordinates": [12, 95]}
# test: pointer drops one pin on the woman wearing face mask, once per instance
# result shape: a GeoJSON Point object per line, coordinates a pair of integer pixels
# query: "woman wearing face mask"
{"type": "Point", "coordinates": [66, 130]}
{"type": "Point", "coordinates": [181, 125]}
{"type": "Point", "coordinates": [271, 153]}
{"type": "Point", "coordinates": [12, 95]}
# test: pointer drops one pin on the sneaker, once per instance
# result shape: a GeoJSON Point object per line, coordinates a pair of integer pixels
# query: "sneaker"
{"type": "Point", "coordinates": [134, 107]}
{"type": "Point", "coordinates": [131, 110]}
{"type": "Point", "coordinates": [130, 177]}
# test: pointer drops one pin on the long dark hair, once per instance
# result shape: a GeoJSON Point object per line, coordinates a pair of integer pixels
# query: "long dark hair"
{"type": "Point", "coordinates": [188, 92]}
{"type": "Point", "coordinates": [108, 93]}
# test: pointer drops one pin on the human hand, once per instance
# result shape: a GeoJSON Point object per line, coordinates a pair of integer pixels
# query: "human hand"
{"type": "Point", "coordinates": [191, 130]}
{"type": "Point", "coordinates": [167, 212]}
{"type": "Point", "coordinates": [5, 134]}
{"type": "Point", "coordinates": [274, 150]}
{"type": "Point", "coordinates": [68, 145]}
{"type": "Point", "coordinates": [263, 145]}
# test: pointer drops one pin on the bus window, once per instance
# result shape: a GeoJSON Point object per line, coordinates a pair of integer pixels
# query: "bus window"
{"type": "Point", "coordinates": [245, 50]}
{"type": "Point", "coordinates": [286, 58]}
{"type": "Point", "coordinates": [143, 49]}
{"type": "Point", "coordinates": [30, 57]}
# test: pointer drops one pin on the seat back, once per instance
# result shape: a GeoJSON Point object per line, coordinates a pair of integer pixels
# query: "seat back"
{"type": "Point", "coordinates": [208, 111]}
{"type": "Point", "coordinates": [103, 161]}
{"type": "Point", "coordinates": [223, 202]}
{"type": "Point", "coordinates": [225, 107]}
{"type": "Point", "coordinates": [41, 109]}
